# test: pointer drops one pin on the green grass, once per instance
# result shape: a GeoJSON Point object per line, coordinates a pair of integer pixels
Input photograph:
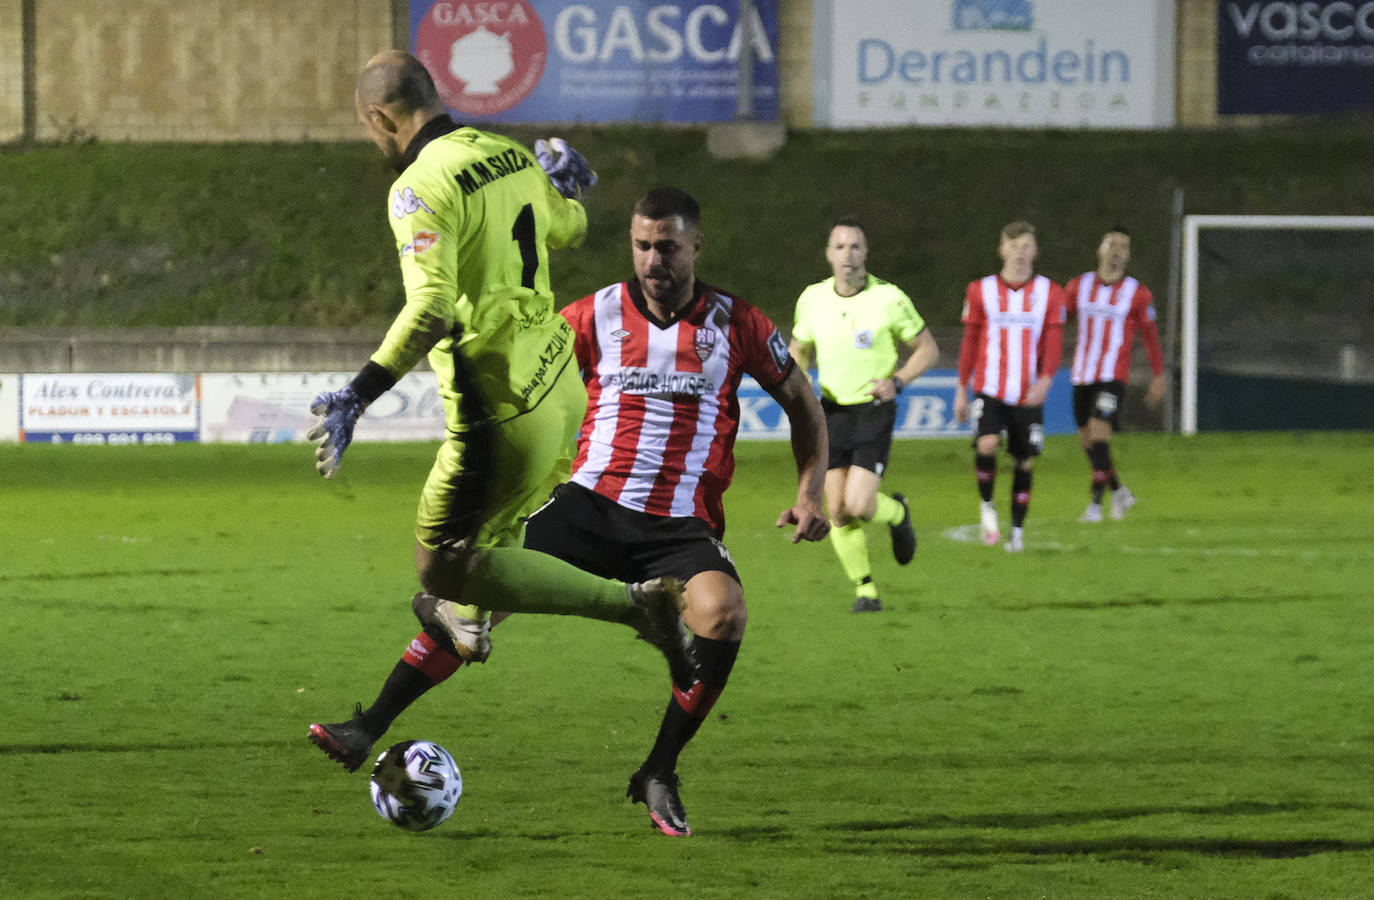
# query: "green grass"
{"type": "Point", "coordinates": [1172, 706]}
{"type": "Point", "coordinates": [296, 234]}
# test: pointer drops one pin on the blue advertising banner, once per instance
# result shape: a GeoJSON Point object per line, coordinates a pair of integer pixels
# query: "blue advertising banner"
{"type": "Point", "coordinates": [595, 61]}
{"type": "Point", "coordinates": [925, 409]}
{"type": "Point", "coordinates": [1311, 58]}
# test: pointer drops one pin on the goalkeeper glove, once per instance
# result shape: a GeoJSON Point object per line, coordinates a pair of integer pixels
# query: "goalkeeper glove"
{"type": "Point", "coordinates": [566, 168]}
{"type": "Point", "coordinates": [339, 411]}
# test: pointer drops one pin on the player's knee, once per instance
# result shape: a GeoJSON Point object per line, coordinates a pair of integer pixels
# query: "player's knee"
{"type": "Point", "coordinates": [444, 571]}
{"type": "Point", "coordinates": [716, 612]}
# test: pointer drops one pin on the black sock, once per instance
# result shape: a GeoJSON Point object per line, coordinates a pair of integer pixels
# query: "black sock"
{"type": "Point", "coordinates": [424, 664]}
{"type": "Point", "coordinates": [687, 710]}
{"type": "Point", "coordinates": [1100, 456]}
{"type": "Point", "coordinates": [985, 467]}
{"type": "Point", "coordinates": [1020, 496]}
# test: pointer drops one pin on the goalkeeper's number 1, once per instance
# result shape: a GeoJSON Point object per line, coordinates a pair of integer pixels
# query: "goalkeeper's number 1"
{"type": "Point", "coordinates": [522, 232]}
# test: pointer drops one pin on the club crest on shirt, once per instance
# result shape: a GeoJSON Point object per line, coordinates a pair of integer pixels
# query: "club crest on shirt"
{"type": "Point", "coordinates": [704, 342]}
{"type": "Point", "coordinates": [863, 339]}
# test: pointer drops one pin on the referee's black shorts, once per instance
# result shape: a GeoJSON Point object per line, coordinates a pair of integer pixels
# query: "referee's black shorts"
{"type": "Point", "coordinates": [860, 435]}
{"type": "Point", "coordinates": [600, 536]}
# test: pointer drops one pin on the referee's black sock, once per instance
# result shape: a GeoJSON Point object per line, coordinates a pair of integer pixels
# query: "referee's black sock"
{"type": "Point", "coordinates": [688, 709]}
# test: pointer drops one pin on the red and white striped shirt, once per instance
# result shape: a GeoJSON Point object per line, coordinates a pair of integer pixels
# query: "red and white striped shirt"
{"type": "Point", "coordinates": [1012, 335]}
{"type": "Point", "coordinates": [663, 404]}
{"type": "Point", "coordinates": [1109, 315]}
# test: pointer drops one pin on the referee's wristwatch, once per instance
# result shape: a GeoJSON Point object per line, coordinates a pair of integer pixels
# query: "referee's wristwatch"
{"type": "Point", "coordinates": [897, 385]}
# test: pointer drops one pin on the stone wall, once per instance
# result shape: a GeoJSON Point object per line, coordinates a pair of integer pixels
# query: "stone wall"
{"type": "Point", "coordinates": [268, 70]}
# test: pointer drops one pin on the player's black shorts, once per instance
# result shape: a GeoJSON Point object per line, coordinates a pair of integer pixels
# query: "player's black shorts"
{"type": "Point", "coordinates": [1099, 400]}
{"type": "Point", "coordinates": [1024, 426]}
{"type": "Point", "coordinates": [860, 435]}
{"type": "Point", "coordinates": [600, 536]}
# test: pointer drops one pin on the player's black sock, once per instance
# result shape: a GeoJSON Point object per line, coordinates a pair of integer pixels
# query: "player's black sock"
{"type": "Point", "coordinates": [1100, 456]}
{"type": "Point", "coordinates": [688, 709]}
{"type": "Point", "coordinates": [985, 467]}
{"type": "Point", "coordinates": [424, 664]}
{"type": "Point", "coordinates": [1020, 496]}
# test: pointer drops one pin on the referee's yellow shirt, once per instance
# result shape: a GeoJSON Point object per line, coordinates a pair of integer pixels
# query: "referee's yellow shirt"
{"type": "Point", "coordinates": [856, 338]}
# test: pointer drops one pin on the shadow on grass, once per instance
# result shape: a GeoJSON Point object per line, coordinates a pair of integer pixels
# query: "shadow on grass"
{"type": "Point", "coordinates": [904, 836]}
{"type": "Point", "coordinates": [1133, 602]}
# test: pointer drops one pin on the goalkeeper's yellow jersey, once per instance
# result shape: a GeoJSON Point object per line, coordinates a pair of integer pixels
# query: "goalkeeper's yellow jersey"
{"type": "Point", "coordinates": [856, 338]}
{"type": "Point", "coordinates": [474, 217]}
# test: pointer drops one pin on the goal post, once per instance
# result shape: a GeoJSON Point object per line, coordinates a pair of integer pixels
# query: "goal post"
{"type": "Point", "coordinates": [1193, 227]}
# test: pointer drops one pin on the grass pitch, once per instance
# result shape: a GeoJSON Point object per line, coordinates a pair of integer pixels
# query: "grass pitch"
{"type": "Point", "coordinates": [1177, 705]}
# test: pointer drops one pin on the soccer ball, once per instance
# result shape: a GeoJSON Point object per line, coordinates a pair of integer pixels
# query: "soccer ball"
{"type": "Point", "coordinates": [416, 785]}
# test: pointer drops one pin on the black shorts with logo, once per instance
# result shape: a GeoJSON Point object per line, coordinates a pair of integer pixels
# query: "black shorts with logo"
{"type": "Point", "coordinates": [860, 435]}
{"type": "Point", "coordinates": [600, 536]}
{"type": "Point", "coordinates": [1024, 426]}
{"type": "Point", "coordinates": [1099, 400]}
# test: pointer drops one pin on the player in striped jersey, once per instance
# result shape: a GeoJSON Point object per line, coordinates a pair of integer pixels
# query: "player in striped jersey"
{"type": "Point", "coordinates": [1013, 338]}
{"type": "Point", "coordinates": [1111, 308]}
{"type": "Point", "coordinates": [662, 356]}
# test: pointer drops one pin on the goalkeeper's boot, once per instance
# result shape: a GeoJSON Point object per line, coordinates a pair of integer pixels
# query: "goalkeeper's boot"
{"type": "Point", "coordinates": [468, 639]}
{"type": "Point", "coordinates": [659, 794]}
{"type": "Point", "coordinates": [1122, 501]}
{"type": "Point", "coordinates": [348, 743]}
{"type": "Point", "coordinates": [656, 613]}
{"type": "Point", "coordinates": [1092, 515]}
{"type": "Point", "coordinates": [1017, 542]}
{"type": "Point", "coordinates": [987, 525]}
{"type": "Point", "coordinates": [903, 534]}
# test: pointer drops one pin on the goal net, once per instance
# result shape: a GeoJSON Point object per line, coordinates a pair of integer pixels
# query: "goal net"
{"type": "Point", "coordinates": [1277, 323]}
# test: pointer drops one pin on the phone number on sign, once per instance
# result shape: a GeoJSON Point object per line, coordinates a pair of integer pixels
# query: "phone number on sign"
{"type": "Point", "coordinates": [116, 438]}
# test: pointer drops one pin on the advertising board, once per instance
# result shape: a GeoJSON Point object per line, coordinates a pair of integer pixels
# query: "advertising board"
{"type": "Point", "coordinates": [1073, 63]}
{"type": "Point", "coordinates": [114, 408]}
{"type": "Point", "coordinates": [595, 60]}
{"type": "Point", "coordinates": [1313, 57]}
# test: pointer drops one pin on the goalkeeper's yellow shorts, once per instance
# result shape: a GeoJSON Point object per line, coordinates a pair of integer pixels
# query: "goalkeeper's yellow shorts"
{"type": "Point", "coordinates": [487, 479]}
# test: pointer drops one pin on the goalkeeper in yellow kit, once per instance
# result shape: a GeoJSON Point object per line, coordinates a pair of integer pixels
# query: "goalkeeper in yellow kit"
{"type": "Point", "coordinates": [474, 215]}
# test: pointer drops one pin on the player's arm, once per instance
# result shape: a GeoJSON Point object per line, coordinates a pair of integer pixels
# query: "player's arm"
{"type": "Point", "coordinates": [1154, 350]}
{"type": "Point", "coordinates": [810, 450]}
{"type": "Point", "coordinates": [567, 221]}
{"type": "Point", "coordinates": [974, 325]}
{"type": "Point", "coordinates": [427, 245]}
{"type": "Point", "coordinates": [1051, 348]}
{"type": "Point", "coordinates": [802, 352]}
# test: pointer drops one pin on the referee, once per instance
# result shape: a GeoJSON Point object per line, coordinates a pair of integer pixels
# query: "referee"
{"type": "Point", "coordinates": [855, 325]}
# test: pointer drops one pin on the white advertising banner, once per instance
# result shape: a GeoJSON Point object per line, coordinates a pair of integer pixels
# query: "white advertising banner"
{"type": "Point", "coordinates": [1018, 63]}
{"type": "Point", "coordinates": [274, 407]}
{"type": "Point", "coordinates": [109, 408]}
{"type": "Point", "coordinates": [9, 408]}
